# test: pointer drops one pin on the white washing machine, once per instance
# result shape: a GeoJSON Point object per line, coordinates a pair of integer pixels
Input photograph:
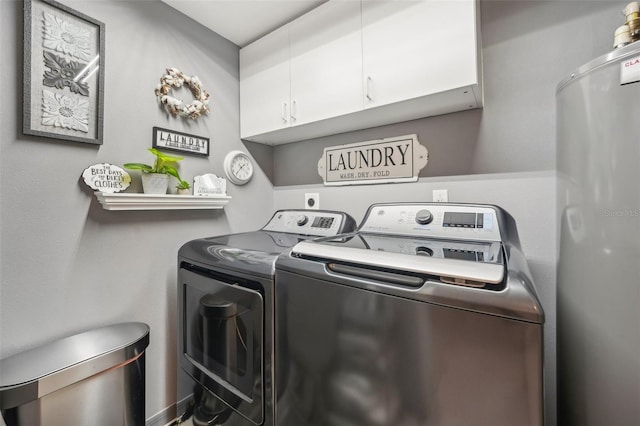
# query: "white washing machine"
{"type": "Point", "coordinates": [425, 316]}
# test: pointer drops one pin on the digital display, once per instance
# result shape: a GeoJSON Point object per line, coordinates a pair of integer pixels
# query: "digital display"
{"type": "Point", "coordinates": [322, 222]}
{"type": "Point", "coordinates": [463, 255]}
{"type": "Point", "coordinates": [463, 220]}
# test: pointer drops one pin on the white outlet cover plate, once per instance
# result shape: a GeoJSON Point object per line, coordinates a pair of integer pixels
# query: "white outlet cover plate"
{"type": "Point", "coordinates": [440, 195]}
{"type": "Point", "coordinates": [316, 201]}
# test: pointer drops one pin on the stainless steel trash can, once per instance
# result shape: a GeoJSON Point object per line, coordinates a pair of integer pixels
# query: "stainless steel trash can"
{"type": "Point", "coordinates": [95, 378]}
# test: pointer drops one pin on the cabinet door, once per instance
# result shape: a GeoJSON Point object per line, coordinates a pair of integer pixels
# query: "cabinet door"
{"type": "Point", "coordinates": [264, 84]}
{"type": "Point", "coordinates": [326, 62]}
{"type": "Point", "coordinates": [416, 48]}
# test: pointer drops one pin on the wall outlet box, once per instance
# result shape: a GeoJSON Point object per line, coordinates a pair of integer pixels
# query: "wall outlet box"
{"type": "Point", "coordinates": [440, 195]}
{"type": "Point", "coordinates": [312, 201]}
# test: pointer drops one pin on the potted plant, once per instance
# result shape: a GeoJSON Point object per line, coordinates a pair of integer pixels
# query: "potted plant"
{"type": "Point", "coordinates": [155, 179]}
{"type": "Point", "coordinates": [183, 187]}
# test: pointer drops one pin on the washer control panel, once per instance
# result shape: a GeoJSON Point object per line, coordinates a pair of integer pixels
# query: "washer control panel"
{"type": "Point", "coordinates": [437, 220]}
{"type": "Point", "coordinates": [476, 251]}
{"type": "Point", "coordinates": [307, 222]}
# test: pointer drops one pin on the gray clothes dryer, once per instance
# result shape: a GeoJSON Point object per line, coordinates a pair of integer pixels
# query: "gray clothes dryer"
{"type": "Point", "coordinates": [426, 316]}
{"type": "Point", "coordinates": [226, 314]}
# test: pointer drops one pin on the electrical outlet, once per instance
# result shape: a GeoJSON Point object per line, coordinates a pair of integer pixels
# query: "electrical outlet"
{"type": "Point", "coordinates": [440, 195]}
{"type": "Point", "coordinates": [312, 201]}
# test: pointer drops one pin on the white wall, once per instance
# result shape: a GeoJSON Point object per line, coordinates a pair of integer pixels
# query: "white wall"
{"type": "Point", "coordinates": [68, 265]}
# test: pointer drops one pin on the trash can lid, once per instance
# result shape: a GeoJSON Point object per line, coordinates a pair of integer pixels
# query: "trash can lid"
{"type": "Point", "coordinates": [52, 366]}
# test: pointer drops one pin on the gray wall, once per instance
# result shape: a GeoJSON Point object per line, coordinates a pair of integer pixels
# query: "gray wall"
{"type": "Point", "coordinates": [502, 154]}
{"type": "Point", "coordinates": [68, 265]}
{"type": "Point", "coordinates": [527, 48]}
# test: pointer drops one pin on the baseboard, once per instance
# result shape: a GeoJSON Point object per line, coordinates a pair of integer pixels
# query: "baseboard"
{"type": "Point", "coordinates": [169, 414]}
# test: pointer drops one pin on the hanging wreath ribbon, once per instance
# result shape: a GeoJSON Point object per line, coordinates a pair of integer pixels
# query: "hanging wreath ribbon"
{"type": "Point", "coordinates": [176, 79]}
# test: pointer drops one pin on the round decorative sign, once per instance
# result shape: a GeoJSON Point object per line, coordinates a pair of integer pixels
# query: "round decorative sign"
{"type": "Point", "coordinates": [176, 78]}
{"type": "Point", "coordinates": [106, 178]}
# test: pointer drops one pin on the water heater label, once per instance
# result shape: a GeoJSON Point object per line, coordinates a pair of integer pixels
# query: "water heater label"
{"type": "Point", "coordinates": [630, 71]}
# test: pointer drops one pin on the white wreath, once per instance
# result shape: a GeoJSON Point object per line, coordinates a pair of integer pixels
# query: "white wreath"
{"type": "Point", "coordinates": [175, 78]}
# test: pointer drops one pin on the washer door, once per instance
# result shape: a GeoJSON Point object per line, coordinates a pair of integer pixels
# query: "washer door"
{"type": "Point", "coordinates": [222, 340]}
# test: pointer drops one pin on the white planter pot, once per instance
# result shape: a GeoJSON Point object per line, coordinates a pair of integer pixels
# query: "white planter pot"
{"type": "Point", "coordinates": [182, 191]}
{"type": "Point", "coordinates": [155, 183]}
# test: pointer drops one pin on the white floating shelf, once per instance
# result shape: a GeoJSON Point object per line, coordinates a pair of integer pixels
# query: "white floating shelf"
{"type": "Point", "coordinates": [130, 201]}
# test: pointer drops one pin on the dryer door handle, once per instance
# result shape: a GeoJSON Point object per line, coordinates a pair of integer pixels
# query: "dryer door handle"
{"type": "Point", "coordinates": [372, 274]}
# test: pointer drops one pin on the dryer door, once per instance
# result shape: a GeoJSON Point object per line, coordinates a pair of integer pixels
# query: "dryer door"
{"type": "Point", "coordinates": [222, 340]}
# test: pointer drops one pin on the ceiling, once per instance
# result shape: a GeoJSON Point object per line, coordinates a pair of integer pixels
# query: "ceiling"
{"type": "Point", "coordinates": [243, 21]}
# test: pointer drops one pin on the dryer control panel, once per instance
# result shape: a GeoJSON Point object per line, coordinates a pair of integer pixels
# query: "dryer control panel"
{"type": "Point", "coordinates": [434, 220]}
{"type": "Point", "coordinates": [319, 223]}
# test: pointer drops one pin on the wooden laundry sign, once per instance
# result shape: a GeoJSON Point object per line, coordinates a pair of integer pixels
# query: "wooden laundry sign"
{"type": "Point", "coordinates": [397, 159]}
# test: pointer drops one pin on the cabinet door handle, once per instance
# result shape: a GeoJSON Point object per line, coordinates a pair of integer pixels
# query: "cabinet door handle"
{"type": "Point", "coordinates": [368, 94]}
{"type": "Point", "coordinates": [284, 112]}
{"type": "Point", "coordinates": [294, 110]}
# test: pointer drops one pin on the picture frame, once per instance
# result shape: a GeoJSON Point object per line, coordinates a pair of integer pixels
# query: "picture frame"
{"type": "Point", "coordinates": [63, 86]}
{"type": "Point", "coordinates": [172, 140]}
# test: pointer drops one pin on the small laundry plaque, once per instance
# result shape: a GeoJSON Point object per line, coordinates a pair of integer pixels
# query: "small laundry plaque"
{"type": "Point", "coordinates": [180, 142]}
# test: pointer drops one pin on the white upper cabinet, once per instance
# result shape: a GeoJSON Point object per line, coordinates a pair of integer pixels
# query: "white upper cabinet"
{"type": "Point", "coordinates": [265, 94]}
{"type": "Point", "coordinates": [350, 65]}
{"type": "Point", "coordinates": [326, 62]}
{"type": "Point", "coordinates": [307, 71]}
{"type": "Point", "coordinates": [417, 48]}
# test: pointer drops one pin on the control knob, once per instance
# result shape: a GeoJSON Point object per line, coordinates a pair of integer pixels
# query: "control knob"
{"type": "Point", "coordinates": [302, 220]}
{"type": "Point", "coordinates": [424, 217]}
{"type": "Point", "coordinates": [424, 251]}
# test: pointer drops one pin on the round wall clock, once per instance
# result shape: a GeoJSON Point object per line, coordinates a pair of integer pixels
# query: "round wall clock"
{"type": "Point", "coordinates": [238, 167]}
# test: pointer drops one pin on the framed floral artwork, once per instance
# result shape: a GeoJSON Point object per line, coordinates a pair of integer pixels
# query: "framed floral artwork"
{"type": "Point", "coordinates": [63, 73]}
